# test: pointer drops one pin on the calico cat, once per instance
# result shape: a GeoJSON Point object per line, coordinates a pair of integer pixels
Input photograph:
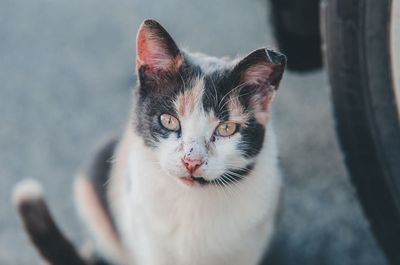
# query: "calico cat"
{"type": "Point", "coordinates": [193, 180]}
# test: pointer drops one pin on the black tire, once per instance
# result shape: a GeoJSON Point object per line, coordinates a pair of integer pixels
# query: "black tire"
{"type": "Point", "coordinates": [357, 39]}
{"type": "Point", "coordinates": [296, 28]}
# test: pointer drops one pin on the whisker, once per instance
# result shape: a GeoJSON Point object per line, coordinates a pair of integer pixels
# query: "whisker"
{"type": "Point", "coordinates": [218, 186]}
{"type": "Point", "coordinates": [229, 187]}
{"type": "Point", "coordinates": [183, 81]}
{"type": "Point", "coordinates": [233, 90]}
{"type": "Point", "coordinates": [234, 174]}
{"type": "Point", "coordinates": [223, 189]}
{"type": "Point", "coordinates": [234, 183]}
{"type": "Point", "coordinates": [215, 90]}
{"type": "Point", "coordinates": [233, 98]}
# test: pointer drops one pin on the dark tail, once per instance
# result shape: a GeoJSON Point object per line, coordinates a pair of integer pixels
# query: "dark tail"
{"type": "Point", "coordinates": [50, 242]}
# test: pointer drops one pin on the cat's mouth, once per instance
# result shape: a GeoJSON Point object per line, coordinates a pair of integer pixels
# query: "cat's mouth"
{"type": "Point", "coordinates": [191, 180]}
{"type": "Point", "coordinates": [230, 176]}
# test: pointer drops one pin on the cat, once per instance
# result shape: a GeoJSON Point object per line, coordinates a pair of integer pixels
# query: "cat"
{"type": "Point", "coordinates": [194, 179]}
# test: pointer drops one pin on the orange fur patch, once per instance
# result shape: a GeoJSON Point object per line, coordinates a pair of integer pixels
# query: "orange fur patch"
{"type": "Point", "coordinates": [96, 218]}
{"type": "Point", "coordinates": [236, 111]}
{"type": "Point", "coordinates": [189, 99]}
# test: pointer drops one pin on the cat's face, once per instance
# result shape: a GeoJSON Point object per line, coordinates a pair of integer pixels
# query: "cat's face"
{"type": "Point", "coordinates": [203, 118]}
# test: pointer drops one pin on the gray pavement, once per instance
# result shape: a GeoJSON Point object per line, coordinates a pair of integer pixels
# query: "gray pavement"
{"type": "Point", "coordinates": [66, 69]}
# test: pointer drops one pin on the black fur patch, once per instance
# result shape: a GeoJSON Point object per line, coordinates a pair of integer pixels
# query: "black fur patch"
{"type": "Point", "coordinates": [216, 87]}
{"type": "Point", "coordinates": [252, 138]}
{"type": "Point", "coordinates": [230, 176]}
{"type": "Point", "coordinates": [98, 171]}
{"type": "Point", "coordinates": [158, 98]}
{"type": "Point", "coordinates": [54, 247]}
{"type": "Point", "coordinates": [235, 175]}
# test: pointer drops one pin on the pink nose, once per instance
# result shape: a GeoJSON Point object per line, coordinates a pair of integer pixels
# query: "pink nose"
{"type": "Point", "coordinates": [192, 165]}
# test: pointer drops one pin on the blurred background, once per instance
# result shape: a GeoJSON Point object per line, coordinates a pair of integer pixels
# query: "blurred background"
{"type": "Point", "coordinates": [66, 74]}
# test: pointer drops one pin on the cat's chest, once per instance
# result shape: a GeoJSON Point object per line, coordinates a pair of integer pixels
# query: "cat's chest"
{"type": "Point", "coordinates": [168, 209]}
{"type": "Point", "coordinates": [179, 224]}
{"type": "Point", "coordinates": [180, 216]}
{"type": "Point", "coordinates": [180, 230]}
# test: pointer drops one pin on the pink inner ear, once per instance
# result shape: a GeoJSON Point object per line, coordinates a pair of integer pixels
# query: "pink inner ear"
{"type": "Point", "coordinates": [257, 74]}
{"type": "Point", "coordinates": [262, 104]}
{"type": "Point", "coordinates": [151, 52]}
{"type": "Point", "coordinates": [266, 101]}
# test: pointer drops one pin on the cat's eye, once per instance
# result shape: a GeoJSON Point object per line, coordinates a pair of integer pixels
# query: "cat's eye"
{"type": "Point", "coordinates": [226, 129]}
{"type": "Point", "coordinates": [169, 122]}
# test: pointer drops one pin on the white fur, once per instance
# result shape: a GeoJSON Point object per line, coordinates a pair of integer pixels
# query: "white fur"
{"type": "Point", "coordinates": [26, 191]}
{"type": "Point", "coordinates": [163, 221]}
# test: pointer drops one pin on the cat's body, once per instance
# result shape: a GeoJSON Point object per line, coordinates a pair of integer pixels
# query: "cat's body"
{"type": "Point", "coordinates": [163, 223]}
{"type": "Point", "coordinates": [194, 179]}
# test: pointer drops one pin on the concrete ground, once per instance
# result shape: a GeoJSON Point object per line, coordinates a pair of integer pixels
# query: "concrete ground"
{"type": "Point", "coordinates": [66, 69]}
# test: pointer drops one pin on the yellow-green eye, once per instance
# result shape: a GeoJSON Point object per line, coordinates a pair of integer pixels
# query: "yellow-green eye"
{"type": "Point", "coordinates": [169, 122]}
{"type": "Point", "coordinates": [226, 129]}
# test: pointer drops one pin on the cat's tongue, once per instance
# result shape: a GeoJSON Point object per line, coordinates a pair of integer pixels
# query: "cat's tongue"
{"type": "Point", "coordinates": [189, 180]}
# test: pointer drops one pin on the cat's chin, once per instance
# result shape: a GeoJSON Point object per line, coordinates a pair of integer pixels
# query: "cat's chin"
{"type": "Point", "coordinates": [194, 181]}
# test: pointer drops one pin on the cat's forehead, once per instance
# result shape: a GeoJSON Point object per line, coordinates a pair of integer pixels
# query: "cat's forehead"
{"type": "Point", "coordinates": [189, 99]}
{"type": "Point", "coordinates": [199, 84]}
{"type": "Point", "coordinates": [210, 95]}
{"type": "Point", "coordinates": [209, 64]}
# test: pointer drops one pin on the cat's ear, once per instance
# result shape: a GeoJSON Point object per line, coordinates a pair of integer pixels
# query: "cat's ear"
{"type": "Point", "coordinates": [156, 51]}
{"type": "Point", "coordinates": [260, 72]}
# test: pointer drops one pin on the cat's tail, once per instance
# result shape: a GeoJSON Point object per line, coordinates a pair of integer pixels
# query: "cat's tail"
{"type": "Point", "coordinates": [48, 239]}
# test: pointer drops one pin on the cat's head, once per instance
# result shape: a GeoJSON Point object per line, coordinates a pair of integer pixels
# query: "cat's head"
{"type": "Point", "coordinates": [204, 118]}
